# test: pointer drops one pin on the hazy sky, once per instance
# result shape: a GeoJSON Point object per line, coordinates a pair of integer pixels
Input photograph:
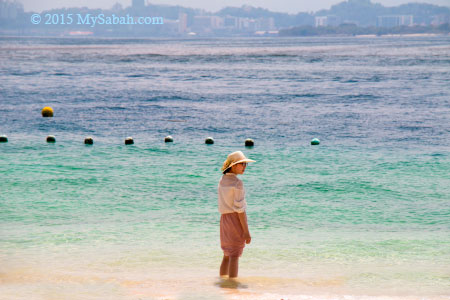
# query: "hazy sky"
{"type": "Point", "coordinates": [290, 6]}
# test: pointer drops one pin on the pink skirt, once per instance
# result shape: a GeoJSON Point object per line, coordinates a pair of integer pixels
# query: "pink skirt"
{"type": "Point", "coordinates": [232, 239]}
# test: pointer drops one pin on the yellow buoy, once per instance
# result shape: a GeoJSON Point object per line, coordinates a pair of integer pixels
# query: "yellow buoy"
{"type": "Point", "coordinates": [47, 112]}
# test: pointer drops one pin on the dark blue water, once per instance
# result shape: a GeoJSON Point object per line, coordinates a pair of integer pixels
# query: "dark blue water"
{"type": "Point", "coordinates": [380, 92]}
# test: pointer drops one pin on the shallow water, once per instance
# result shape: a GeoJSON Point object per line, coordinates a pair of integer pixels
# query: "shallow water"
{"type": "Point", "coordinates": [364, 215]}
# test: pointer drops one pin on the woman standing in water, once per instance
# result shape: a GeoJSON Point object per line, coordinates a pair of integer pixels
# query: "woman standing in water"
{"type": "Point", "coordinates": [234, 233]}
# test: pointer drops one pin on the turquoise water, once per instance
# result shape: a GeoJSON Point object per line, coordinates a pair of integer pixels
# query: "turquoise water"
{"type": "Point", "coordinates": [365, 215]}
{"type": "Point", "coordinates": [322, 219]}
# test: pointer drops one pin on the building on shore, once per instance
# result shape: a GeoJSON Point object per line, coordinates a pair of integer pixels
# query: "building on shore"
{"type": "Point", "coordinates": [440, 19]}
{"type": "Point", "coordinates": [395, 20]}
{"type": "Point", "coordinates": [327, 21]}
{"type": "Point", "coordinates": [183, 23]}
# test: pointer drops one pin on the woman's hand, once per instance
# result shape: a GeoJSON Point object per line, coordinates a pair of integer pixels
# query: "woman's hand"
{"type": "Point", "coordinates": [243, 220]}
{"type": "Point", "coordinates": [247, 238]}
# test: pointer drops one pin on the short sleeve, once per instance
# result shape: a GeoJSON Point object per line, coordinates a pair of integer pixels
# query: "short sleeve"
{"type": "Point", "coordinates": [239, 203]}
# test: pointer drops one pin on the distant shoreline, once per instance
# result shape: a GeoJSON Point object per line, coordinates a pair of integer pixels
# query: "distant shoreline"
{"type": "Point", "coordinates": [228, 37]}
{"type": "Point", "coordinates": [404, 35]}
{"type": "Point", "coordinates": [354, 30]}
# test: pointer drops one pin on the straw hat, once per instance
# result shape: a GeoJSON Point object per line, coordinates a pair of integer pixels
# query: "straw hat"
{"type": "Point", "coordinates": [235, 158]}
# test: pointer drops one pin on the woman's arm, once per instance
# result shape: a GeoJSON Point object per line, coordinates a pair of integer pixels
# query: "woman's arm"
{"type": "Point", "coordinates": [243, 220]}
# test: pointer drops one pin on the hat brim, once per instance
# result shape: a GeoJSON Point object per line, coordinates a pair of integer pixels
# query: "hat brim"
{"type": "Point", "coordinates": [246, 160]}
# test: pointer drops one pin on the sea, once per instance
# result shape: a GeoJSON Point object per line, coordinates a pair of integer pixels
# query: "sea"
{"type": "Point", "coordinates": [363, 215]}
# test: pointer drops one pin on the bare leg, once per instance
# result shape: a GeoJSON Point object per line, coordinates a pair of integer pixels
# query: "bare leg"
{"type": "Point", "coordinates": [224, 267]}
{"type": "Point", "coordinates": [234, 266]}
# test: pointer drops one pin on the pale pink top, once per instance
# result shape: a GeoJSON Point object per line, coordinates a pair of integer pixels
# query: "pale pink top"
{"type": "Point", "coordinates": [231, 194]}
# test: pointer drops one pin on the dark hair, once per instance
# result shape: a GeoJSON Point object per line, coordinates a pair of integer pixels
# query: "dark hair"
{"type": "Point", "coordinates": [227, 170]}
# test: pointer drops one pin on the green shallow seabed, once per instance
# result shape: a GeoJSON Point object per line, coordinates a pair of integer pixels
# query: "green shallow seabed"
{"type": "Point", "coordinates": [369, 217]}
